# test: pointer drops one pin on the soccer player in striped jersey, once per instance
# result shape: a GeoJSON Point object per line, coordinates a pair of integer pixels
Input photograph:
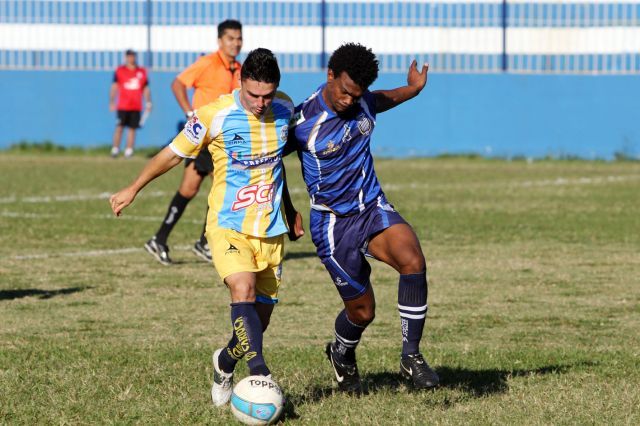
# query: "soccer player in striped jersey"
{"type": "Point", "coordinates": [245, 132]}
{"type": "Point", "coordinates": [350, 215]}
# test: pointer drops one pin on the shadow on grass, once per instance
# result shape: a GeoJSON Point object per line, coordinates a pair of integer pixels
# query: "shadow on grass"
{"type": "Point", "coordinates": [41, 294]}
{"type": "Point", "coordinates": [478, 383]}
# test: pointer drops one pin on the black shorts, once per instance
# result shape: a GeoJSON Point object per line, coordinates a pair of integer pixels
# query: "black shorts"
{"type": "Point", "coordinates": [203, 163]}
{"type": "Point", "coordinates": [129, 119]}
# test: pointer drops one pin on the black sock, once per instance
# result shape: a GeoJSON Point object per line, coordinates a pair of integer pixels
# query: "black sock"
{"type": "Point", "coordinates": [347, 338]}
{"type": "Point", "coordinates": [412, 305]}
{"type": "Point", "coordinates": [248, 330]}
{"type": "Point", "coordinates": [176, 208]}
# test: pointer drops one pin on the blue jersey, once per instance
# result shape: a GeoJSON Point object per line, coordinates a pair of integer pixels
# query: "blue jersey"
{"type": "Point", "coordinates": [337, 165]}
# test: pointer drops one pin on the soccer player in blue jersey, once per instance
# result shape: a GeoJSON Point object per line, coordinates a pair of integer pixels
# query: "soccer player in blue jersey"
{"type": "Point", "coordinates": [350, 215]}
{"type": "Point", "coordinates": [245, 132]}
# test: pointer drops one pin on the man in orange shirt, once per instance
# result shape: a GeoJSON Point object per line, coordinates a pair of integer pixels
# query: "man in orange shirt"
{"type": "Point", "coordinates": [211, 76]}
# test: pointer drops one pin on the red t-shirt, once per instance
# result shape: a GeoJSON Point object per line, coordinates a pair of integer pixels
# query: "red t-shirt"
{"type": "Point", "coordinates": [131, 83]}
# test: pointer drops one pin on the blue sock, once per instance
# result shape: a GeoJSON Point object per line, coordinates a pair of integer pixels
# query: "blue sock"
{"type": "Point", "coordinates": [347, 338]}
{"type": "Point", "coordinates": [247, 329]}
{"type": "Point", "coordinates": [412, 305]}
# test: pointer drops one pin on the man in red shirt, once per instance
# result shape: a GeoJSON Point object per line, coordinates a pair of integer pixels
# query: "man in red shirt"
{"type": "Point", "coordinates": [130, 84]}
{"type": "Point", "coordinates": [210, 76]}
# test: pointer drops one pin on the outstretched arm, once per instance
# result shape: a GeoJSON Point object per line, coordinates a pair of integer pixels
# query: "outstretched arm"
{"type": "Point", "coordinates": [158, 165]}
{"type": "Point", "coordinates": [387, 99]}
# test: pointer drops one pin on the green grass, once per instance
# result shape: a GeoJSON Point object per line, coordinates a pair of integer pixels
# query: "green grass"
{"type": "Point", "coordinates": [534, 300]}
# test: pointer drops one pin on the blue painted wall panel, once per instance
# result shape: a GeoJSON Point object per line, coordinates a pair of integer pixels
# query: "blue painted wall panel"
{"type": "Point", "coordinates": [496, 115]}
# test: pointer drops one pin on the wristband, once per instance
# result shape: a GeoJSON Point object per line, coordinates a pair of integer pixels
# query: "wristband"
{"type": "Point", "coordinates": [189, 114]}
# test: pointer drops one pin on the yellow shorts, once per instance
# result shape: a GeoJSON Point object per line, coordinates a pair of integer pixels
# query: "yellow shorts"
{"type": "Point", "coordinates": [234, 252]}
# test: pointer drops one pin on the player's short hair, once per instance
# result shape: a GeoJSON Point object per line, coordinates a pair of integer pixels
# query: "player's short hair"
{"type": "Point", "coordinates": [358, 61]}
{"type": "Point", "coordinates": [229, 24]}
{"type": "Point", "coordinates": [261, 65]}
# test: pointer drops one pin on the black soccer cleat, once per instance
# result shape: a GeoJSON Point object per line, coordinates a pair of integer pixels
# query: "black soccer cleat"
{"type": "Point", "coordinates": [415, 369]}
{"type": "Point", "coordinates": [346, 374]}
{"type": "Point", "coordinates": [159, 251]}
{"type": "Point", "coordinates": [202, 251]}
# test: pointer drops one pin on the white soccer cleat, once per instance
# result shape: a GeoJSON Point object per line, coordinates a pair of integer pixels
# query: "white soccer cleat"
{"type": "Point", "coordinates": [128, 153]}
{"type": "Point", "coordinates": [222, 383]}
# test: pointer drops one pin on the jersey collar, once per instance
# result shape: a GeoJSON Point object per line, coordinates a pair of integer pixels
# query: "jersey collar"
{"type": "Point", "coordinates": [321, 100]}
{"type": "Point", "coordinates": [224, 61]}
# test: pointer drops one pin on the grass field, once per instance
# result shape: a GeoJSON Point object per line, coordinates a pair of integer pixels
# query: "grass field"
{"type": "Point", "coordinates": [534, 300]}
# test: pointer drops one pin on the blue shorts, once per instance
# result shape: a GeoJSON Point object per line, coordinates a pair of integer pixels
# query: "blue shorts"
{"type": "Point", "coordinates": [341, 243]}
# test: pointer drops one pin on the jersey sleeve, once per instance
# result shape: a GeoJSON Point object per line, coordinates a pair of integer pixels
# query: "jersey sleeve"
{"type": "Point", "coordinates": [370, 100]}
{"type": "Point", "coordinates": [189, 76]}
{"type": "Point", "coordinates": [195, 135]}
{"type": "Point", "coordinates": [293, 142]}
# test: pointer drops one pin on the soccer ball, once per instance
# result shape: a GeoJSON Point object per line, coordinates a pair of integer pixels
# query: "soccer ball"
{"type": "Point", "coordinates": [257, 400]}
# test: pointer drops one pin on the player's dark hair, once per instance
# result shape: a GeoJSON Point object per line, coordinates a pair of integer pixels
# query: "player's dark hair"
{"type": "Point", "coordinates": [261, 65]}
{"type": "Point", "coordinates": [229, 24]}
{"type": "Point", "coordinates": [358, 61]}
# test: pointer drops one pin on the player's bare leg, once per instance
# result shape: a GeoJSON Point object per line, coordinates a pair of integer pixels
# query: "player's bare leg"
{"type": "Point", "coordinates": [189, 187]}
{"type": "Point", "coordinates": [157, 246]}
{"type": "Point", "coordinates": [117, 139]}
{"type": "Point", "coordinates": [131, 140]}
{"type": "Point", "coordinates": [191, 181]}
{"type": "Point", "coordinates": [398, 246]}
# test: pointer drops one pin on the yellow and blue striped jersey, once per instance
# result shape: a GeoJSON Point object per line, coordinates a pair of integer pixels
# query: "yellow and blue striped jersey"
{"type": "Point", "coordinates": [247, 162]}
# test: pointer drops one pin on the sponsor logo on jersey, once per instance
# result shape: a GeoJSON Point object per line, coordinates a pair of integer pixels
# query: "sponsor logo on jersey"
{"type": "Point", "coordinates": [331, 148]}
{"type": "Point", "coordinates": [256, 161]}
{"type": "Point", "coordinates": [364, 124]}
{"type": "Point", "coordinates": [132, 84]}
{"type": "Point", "coordinates": [260, 195]}
{"type": "Point", "coordinates": [237, 140]}
{"type": "Point", "coordinates": [194, 130]}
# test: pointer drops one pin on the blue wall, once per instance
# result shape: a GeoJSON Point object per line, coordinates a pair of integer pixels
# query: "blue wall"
{"type": "Point", "coordinates": [495, 115]}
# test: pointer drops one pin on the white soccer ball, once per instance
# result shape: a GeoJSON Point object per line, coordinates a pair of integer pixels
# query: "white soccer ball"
{"type": "Point", "coordinates": [257, 400]}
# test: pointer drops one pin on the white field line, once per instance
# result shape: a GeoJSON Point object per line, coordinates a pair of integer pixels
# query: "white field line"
{"type": "Point", "coordinates": [523, 184]}
{"type": "Point", "coordinates": [20, 215]}
{"type": "Point", "coordinates": [71, 197]}
{"type": "Point", "coordinates": [560, 181]}
{"type": "Point", "coordinates": [88, 253]}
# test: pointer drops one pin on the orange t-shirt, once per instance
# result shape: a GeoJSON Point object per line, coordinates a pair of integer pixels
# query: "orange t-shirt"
{"type": "Point", "coordinates": [211, 76]}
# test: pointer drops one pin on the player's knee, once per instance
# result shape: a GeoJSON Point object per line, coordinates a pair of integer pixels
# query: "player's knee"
{"type": "Point", "coordinates": [363, 315]}
{"type": "Point", "coordinates": [189, 191]}
{"type": "Point", "coordinates": [413, 263]}
{"type": "Point", "coordinates": [242, 293]}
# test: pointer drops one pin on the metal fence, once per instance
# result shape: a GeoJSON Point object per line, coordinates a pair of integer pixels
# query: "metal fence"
{"type": "Point", "coordinates": [570, 36]}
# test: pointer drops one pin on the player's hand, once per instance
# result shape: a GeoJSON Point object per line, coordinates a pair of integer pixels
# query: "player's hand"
{"type": "Point", "coordinates": [416, 79]}
{"type": "Point", "coordinates": [148, 106]}
{"type": "Point", "coordinates": [122, 199]}
{"type": "Point", "coordinates": [112, 106]}
{"type": "Point", "coordinates": [296, 227]}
